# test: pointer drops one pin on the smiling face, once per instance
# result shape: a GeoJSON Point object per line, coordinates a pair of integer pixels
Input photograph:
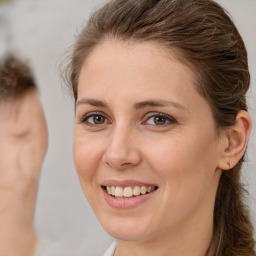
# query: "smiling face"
{"type": "Point", "coordinates": [145, 135]}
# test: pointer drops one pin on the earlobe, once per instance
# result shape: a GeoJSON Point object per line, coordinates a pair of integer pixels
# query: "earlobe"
{"type": "Point", "coordinates": [236, 138]}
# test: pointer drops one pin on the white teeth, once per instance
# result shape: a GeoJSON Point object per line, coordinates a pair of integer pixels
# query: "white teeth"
{"type": "Point", "coordinates": [129, 191]}
{"type": "Point", "coordinates": [119, 192]}
{"type": "Point", "coordinates": [109, 189]}
{"type": "Point", "coordinates": [143, 190]}
{"type": "Point", "coordinates": [136, 191]}
{"type": "Point", "coordinates": [149, 189]}
{"type": "Point", "coordinates": [112, 190]}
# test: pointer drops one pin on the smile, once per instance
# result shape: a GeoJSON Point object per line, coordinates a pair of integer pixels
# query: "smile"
{"type": "Point", "coordinates": [128, 192]}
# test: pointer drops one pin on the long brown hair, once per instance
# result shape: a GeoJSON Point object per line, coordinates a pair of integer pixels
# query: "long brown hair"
{"type": "Point", "coordinates": [203, 36]}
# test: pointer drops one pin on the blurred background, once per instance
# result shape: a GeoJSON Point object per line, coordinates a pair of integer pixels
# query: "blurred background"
{"type": "Point", "coordinates": [40, 31]}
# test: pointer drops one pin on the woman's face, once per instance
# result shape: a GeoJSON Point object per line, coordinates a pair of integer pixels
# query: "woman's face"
{"type": "Point", "coordinates": [145, 135]}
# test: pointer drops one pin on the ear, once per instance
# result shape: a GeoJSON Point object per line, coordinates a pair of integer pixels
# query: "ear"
{"type": "Point", "coordinates": [234, 141]}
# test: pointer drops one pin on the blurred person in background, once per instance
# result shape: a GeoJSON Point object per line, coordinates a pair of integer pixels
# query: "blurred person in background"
{"type": "Point", "coordinates": [23, 145]}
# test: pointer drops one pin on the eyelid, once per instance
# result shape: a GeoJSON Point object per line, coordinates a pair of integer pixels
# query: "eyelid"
{"type": "Point", "coordinates": [169, 118]}
{"type": "Point", "coordinates": [84, 117]}
{"type": "Point", "coordinates": [147, 116]}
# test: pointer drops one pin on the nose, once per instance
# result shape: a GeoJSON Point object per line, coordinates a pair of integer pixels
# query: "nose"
{"type": "Point", "coordinates": [121, 152]}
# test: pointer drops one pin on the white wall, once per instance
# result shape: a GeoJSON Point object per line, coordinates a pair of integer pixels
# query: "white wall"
{"type": "Point", "coordinates": [41, 30]}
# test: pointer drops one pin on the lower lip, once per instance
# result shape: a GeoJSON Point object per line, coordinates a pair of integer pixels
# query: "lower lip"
{"type": "Point", "coordinates": [125, 203]}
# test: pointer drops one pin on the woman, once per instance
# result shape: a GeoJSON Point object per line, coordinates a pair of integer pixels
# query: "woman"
{"type": "Point", "coordinates": [162, 127]}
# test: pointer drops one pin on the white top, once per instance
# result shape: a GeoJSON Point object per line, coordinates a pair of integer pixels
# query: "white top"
{"type": "Point", "coordinates": [110, 251]}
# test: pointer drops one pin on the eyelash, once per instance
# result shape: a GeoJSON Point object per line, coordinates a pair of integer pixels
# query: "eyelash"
{"type": "Point", "coordinates": [85, 118]}
{"type": "Point", "coordinates": [168, 120]}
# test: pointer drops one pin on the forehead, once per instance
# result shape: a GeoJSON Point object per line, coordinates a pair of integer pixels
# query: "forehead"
{"type": "Point", "coordinates": [124, 75]}
{"type": "Point", "coordinates": [144, 66]}
{"type": "Point", "coordinates": [12, 109]}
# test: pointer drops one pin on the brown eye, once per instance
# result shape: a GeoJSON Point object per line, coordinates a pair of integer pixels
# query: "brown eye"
{"type": "Point", "coordinates": [158, 120]}
{"type": "Point", "coordinates": [94, 119]}
{"type": "Point", "coordinates": [97, 119]}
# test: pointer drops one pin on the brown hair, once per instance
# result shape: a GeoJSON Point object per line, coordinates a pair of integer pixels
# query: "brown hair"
{"type": "Point", "coordinates": [15, 78]}
{"type": "Point", "coordinates": [204, 37]}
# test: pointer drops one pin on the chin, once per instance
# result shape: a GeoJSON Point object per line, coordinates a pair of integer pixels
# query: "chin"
{"type": "Point", "coordinates": [127, 229]}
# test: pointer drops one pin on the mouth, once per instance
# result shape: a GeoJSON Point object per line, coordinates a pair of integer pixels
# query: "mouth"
{"type": "Point", "coordinates": [129, 191]}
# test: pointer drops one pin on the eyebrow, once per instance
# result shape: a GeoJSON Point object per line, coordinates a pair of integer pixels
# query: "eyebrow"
{"type": "Point", "coordinates": [93, 102]}
{"type": "Point", "coordinates": [159, 103]}
{"type": "Point", "coordinates": [139, 105]}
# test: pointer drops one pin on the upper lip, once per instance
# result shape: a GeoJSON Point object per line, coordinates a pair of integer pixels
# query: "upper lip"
{"type": "Point", "coordinates": [125, 183]}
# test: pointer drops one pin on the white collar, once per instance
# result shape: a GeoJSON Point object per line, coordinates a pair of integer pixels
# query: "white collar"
{"type": "Point", "coordinates": [110, 251]}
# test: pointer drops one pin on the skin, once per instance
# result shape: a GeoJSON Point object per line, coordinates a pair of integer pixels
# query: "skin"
{"type": "Point", "coordinates": [24, 138]}
{"type": "Point", "coordinates": [182, 157]}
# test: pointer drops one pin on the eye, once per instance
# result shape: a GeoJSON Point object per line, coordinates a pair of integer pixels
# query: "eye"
{"type": "Point", "coordinates": [94, 119]}
{"type": "Point", "coordinates": [159, 119]}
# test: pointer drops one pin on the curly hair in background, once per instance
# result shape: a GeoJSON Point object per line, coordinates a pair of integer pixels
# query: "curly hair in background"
{"type": "Point", "coordinates": [15, 78]}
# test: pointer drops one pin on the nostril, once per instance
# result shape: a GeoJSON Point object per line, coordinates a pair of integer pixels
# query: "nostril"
{"type": "Point", "coordinates": [125, 164]}
{"type": "Point", "coordinates": [107, 163]}
{"type": "Point", "coordinates": [118, 163]}
{"type": "Point", "coordinates": [120, 155]}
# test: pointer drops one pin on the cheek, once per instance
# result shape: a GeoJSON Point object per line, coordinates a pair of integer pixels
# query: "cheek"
{"type": "Point", "coordinates": [184, 153]}
{"type": "Point", "coordinates": [87, 156]}
{"type": "Point", "coordinates": [185, 165]}
{"type": "Point", "coordinates": [186, 168]}
{"type": "Point", "coordinates": [169, 156]}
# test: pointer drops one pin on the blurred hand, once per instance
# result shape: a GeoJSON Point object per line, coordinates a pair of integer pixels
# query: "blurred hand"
{"type": "Point", "coordinates": [23, 145]}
